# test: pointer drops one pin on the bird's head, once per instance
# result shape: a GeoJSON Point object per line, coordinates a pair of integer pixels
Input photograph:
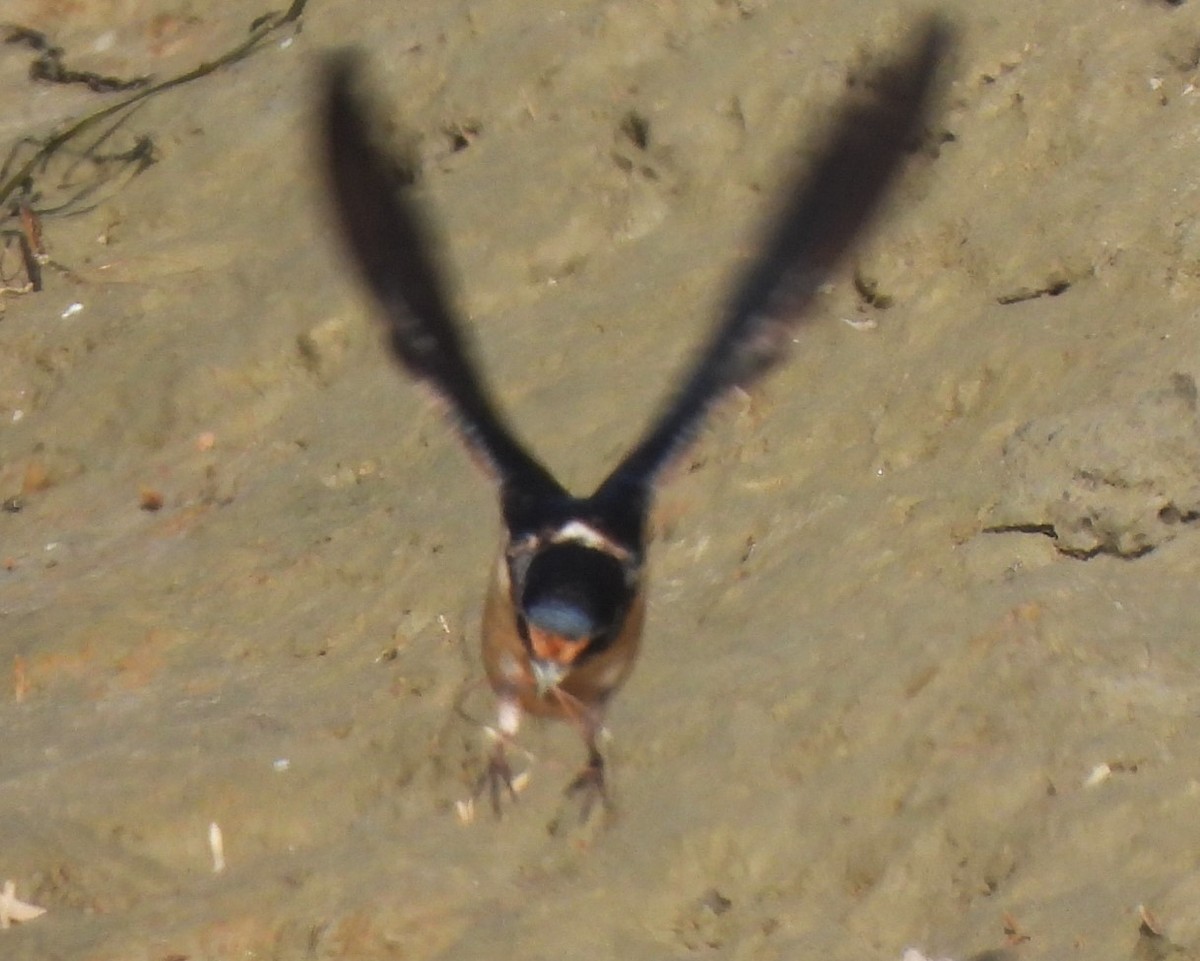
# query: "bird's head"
{"type": "Point", "coordinates": [571, 593]}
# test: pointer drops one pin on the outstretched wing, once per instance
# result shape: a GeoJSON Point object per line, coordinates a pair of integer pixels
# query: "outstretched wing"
{"type": "Point", "coordinates": [391, 246]}
{"type": "Point", "coordinates": [822, 217]}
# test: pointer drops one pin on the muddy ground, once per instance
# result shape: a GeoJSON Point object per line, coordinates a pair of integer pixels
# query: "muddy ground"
{"type": "Point", "coordinates": [921, 666]}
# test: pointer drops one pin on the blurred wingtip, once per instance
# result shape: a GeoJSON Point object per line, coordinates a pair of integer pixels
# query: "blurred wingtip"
{"type": "Point", "coordinates": [339, 104]}
{"type": "Point", "coordinates": [338, 68]}
{"type": "Point", "coordinates": [938, 37]}
{"type": "Point", "coordinates": [938, 32]}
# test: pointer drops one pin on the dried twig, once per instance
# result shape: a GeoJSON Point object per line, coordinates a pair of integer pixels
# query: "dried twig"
{"type": "Point", "coordinates": [29, 156]}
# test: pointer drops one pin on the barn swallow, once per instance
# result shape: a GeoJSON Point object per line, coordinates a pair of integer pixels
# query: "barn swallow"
{"type": "Point", "coordinates": [562, 622]}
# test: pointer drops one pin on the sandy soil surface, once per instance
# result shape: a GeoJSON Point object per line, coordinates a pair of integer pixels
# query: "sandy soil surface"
{"type": "Point", "coordinates": [921, 666]}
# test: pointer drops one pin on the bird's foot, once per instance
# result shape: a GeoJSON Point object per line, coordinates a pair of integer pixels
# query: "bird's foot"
{"type": "Point", "coordinates": [590, 786]}
{"type": "Point", "coordinates": [498, 780]}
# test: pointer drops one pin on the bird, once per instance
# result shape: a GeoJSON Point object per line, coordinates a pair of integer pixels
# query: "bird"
{"type": "Point", "coordinates": [564, 611]}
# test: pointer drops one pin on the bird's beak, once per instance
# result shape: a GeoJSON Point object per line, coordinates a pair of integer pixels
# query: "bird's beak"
{"type": "Point", "coordinates": [547, 675]}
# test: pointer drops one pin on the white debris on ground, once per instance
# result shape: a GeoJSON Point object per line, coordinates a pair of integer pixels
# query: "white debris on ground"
{"type": "Point", "coordinates": [912, 954]}
{"type": "Point", "coordinates": [12, 909]}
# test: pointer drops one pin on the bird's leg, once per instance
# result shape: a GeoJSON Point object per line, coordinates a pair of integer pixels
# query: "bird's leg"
{"type": "Point", "coordinates": [589, 783]}
{"type": "Point", "coordinates": [498, 775]}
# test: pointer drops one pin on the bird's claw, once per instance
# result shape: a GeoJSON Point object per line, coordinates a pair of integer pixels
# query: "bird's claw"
{"type": "Point", "coordinates": [497, 778]}
{"type": "Point", "coordinates": [590, 786]}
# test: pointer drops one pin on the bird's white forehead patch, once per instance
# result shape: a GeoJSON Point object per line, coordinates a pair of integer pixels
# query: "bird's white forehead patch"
{"type": "Point", "coordinates": [577, 532]}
